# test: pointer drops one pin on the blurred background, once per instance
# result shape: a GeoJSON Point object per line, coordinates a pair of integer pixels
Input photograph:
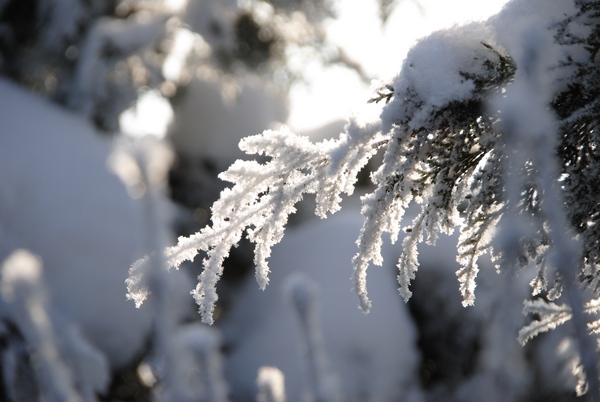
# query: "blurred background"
{"type": "Point", "coordinates": [116, 118]}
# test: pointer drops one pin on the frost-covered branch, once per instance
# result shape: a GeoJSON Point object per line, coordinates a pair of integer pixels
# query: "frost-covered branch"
{"type": "Point", "coordinates": [551, 316]}
{"type": "Point", "coordinates": [531, 134]}
{"type": "Point", "coordinates": [491, 169]}
{"type": "Point", "coordinates": [263, 197]}
{"type": "Point", "coordinates": [441, 138]}
{"type": "Point", "coordinates": [435, 139]}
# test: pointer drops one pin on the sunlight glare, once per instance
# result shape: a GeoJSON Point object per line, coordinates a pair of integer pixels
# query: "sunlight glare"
{"type": "Point", "coordinates": [332, 94]}
{"type": "Point", "coordinates": [151, 115]}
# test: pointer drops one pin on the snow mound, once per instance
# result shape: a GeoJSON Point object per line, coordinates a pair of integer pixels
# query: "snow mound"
{"type": "Point", "coordinates": [58, 200]}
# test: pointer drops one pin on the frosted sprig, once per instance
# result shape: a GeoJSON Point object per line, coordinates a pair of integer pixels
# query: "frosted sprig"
{"type": "Point", "coordinates": [434, 140]}
{"type": "Point", "coordinates": [478, 227]}
{"type": "Point", "coordinates": [440, 138]}
{"type": "Point", "coordinates": [446, 166]}
{"type": "Point", "coordinates": [551, 315]}
{"type": "Point", "coordinates": [265, 194]}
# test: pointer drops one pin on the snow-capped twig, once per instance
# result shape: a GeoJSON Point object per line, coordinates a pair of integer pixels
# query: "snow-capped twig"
{"type": "Point", "coordinates": [198, 372]}
{"type": "Point", "coordinates": [263, 197]}
{"type": "Point", "coordinates": [271, 386]}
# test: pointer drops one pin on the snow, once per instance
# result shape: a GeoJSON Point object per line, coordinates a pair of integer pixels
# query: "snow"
{"type": "Point", "coordinates": [151, 115]}
{"type": "Point", "coordinates": [373, 355]}
{"type": "Point", "coordinates": [21, 288]}
{"type": "Point", "coordinates": [381, 51]}
{"type": "Point", "coordinates": [270, 382]}
{"type": "Point", "coordinates": [125, 36]}
{"type": "Point", "coordinates": [519, 14]}
{"type": "Point", "coordinates": [197, 374]}
{"type": "Point", "coordinates": [531, 134]}
{"type": "Point", "coordinates": [432, 67]}
{"type": "Point", "coordinates": [59, 200]}
{"type": "Point", "coordinates": [321, 384]}
{"type": "Point", "coordinates": [437, 71]}
{"type": "Point", "coordinates": [183, 42]}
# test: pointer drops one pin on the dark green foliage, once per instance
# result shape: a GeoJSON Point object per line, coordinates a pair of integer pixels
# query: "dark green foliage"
{"type": "Point", "coordinates": [451, 163]}
{"type": "Point", "coordinates": [578, 108]}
